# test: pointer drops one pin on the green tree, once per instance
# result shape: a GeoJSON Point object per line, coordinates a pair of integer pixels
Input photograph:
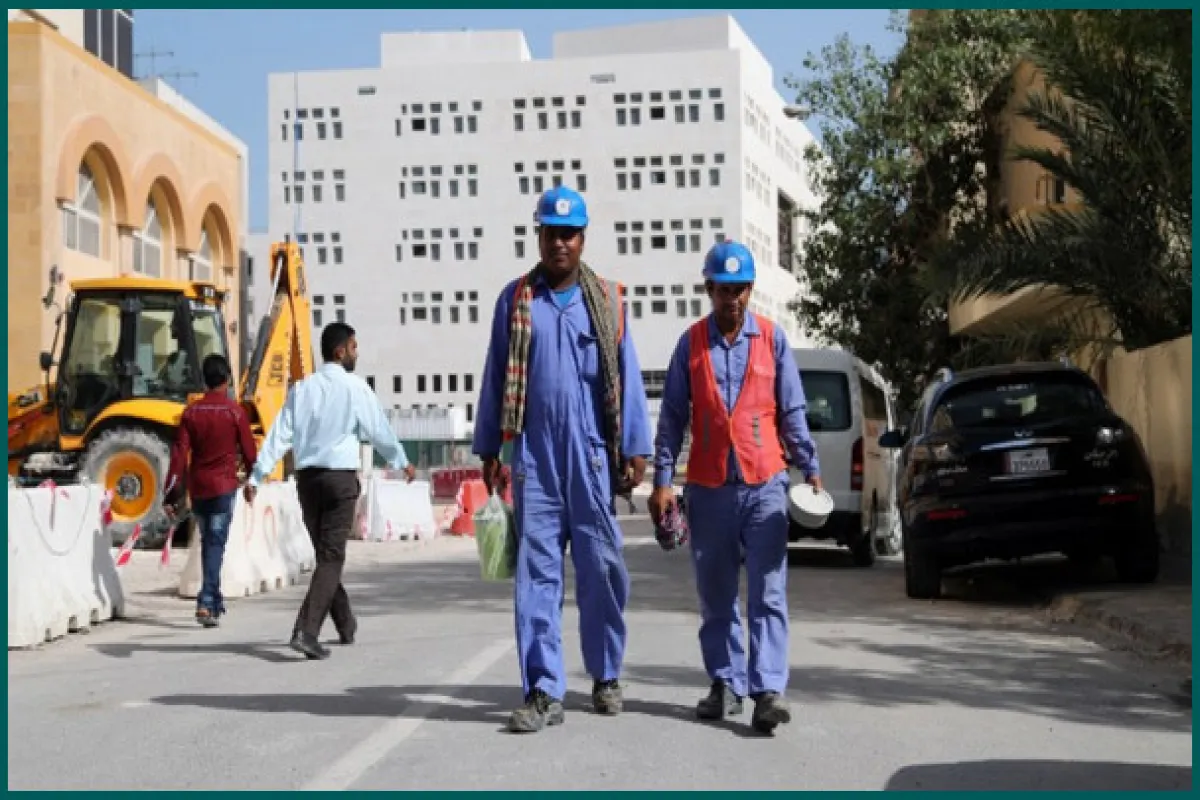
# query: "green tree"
{"type": "Point", "coordinates": [1118, 99]}
{"type": "Point", "coordinates": [907, 147]}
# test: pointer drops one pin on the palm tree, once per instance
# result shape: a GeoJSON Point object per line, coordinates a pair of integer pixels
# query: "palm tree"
{"type": "Point", "coordinates": [1119, 101]}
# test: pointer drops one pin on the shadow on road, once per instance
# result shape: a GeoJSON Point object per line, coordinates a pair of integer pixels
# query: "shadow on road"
{"type": "Point", "coordinates": [474, 704]}
{"type": "Point", "coordinates": [268, 653]}
{"type": "Point", "coordinates": [1046, 776]}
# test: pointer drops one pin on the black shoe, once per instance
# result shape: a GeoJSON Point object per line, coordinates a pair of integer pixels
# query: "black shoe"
{"type": "Point", "coordinates": [720, 703]}
{"type": "Point", "coordinates": [346, 636]}
{"type": "Point", "coordinates": [770, 711]}
{"type": "Point", "coordinates": [607, 698]}
{"type": "Point", "coordinates": [309, 646]}
{"type": "Point", "coordinates": [540, 710]}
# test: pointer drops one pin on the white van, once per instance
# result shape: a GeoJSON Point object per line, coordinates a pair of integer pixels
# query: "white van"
{"type": "Point", "coordinates": [849, 407]}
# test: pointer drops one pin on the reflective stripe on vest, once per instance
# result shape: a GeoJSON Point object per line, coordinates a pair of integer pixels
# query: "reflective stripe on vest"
{"type": "Point", "coordinates": [751, 431]}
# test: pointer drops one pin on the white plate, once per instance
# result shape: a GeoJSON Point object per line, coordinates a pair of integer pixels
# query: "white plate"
{"type": "Point", "coordinates": [809, 508]}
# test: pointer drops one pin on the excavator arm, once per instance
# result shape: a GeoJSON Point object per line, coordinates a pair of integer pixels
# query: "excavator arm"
{"type": "Point", "coordinates": [283, 352]}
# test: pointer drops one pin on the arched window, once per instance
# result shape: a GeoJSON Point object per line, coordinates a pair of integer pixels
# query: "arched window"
{"type": "Point", "coordinates": [202, 269]}
{"type": "Point", "coordinates": [147, 244]}
{"type": "Point", "coordinates": [81, 219]}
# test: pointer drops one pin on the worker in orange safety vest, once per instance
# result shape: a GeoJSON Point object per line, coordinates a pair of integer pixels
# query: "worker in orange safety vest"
{"type": "Point", "coordinates": [733, 375]}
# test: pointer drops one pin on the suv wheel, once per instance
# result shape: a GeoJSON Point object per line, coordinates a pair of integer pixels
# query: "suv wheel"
{"type": "Point", "coordinates": [1136, 558]}
{"type": "Point", "coordinates": [922, 574]}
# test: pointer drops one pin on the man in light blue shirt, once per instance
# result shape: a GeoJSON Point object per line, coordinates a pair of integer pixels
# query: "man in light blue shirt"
{"type": "Point", "coordinates": [323, 421]}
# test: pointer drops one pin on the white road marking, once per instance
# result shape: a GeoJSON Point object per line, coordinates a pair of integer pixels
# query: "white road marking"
{"type": "Point", "coordinates": [369, 752]}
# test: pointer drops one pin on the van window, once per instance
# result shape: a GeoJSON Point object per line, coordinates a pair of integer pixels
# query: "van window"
{"type": "Point", "coordinates": [828, 395]}
{"type": "Point", "coordinates": [874, 402]}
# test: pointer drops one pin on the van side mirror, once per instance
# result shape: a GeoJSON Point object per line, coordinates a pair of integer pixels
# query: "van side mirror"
{"type": "Point", "coordinates": [45, 361]}
{"type": "Point", "coordinates": [892, 440]}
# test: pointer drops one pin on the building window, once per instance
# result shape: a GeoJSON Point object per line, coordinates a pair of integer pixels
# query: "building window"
{"type": "Point", "coordinates": [397, 384]}
{"type": "Point", "coordinates": [147, 243]}
{"type": "Point", "coordinates": [201, 261]}
{"type": "Point", "coordinates": [81, 219]}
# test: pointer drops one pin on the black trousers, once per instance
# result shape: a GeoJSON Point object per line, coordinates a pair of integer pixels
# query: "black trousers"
{"type": "Point", "coordinates": [328, 499]}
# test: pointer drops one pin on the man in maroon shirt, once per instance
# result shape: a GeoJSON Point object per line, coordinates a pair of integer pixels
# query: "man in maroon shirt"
{"type": "Point", "coordinates": [214, 431]}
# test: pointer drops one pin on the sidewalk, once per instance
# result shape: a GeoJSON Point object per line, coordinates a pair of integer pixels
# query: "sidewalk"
{"type": "Point", "coordinates": [1155, 620]}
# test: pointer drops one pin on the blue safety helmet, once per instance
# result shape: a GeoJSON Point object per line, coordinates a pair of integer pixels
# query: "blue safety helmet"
{"type": "Point", "coordinates": [729, 262]}
{"type": "Point", "coordinates": [561, 207]}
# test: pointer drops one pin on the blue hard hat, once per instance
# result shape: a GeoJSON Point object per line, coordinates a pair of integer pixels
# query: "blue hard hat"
{"type": "Point", "coordinates": [561, 207]}
{"type": "Point", "coordinates": [729, 262]}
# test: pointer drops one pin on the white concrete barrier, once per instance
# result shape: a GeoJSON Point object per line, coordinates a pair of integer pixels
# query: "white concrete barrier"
{"type": "Point", "coordinates": [395, 510]}
{"type": "Point", "coordinates": [61, 575]}
{"type": "Point", "coordinates": [268, 546]}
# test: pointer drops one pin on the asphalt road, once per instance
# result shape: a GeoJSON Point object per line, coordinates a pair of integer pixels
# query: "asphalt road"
{"type": "Point", "coordinates": [971, 692]}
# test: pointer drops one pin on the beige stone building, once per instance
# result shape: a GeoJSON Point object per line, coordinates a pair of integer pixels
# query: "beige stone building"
{"type": "Point", "coordinates": [106, 178]}
{"type": "Point", "coordinates": [1150, 388]}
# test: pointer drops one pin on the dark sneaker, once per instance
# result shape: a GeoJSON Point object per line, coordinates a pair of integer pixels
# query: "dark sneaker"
{"type": "Point", "coordinates": [540, 710]}
{"type": "Point", "coordinates": [720, 703]}
{"type": "Point", "coordinates": [309, 646]}
{"type": "Point", "coordinates": [770, 711]}
{"type": "Point", "coordinates": [607, 698]}
{"type": "Point", "coordinates": [206, 618]}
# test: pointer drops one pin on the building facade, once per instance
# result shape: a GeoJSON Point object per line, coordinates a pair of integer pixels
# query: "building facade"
{"type": "Point", "coordinates": [411, 186]}
{"type": "Point", "coordinates": [106, 177]}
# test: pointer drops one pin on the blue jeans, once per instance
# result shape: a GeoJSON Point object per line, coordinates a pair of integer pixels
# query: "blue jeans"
{"type": "Point", "coordinates": [213, 516]}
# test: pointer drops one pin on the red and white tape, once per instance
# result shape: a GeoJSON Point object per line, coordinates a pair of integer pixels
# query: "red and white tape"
{"type": "Point", "coordinates": [126, 551]}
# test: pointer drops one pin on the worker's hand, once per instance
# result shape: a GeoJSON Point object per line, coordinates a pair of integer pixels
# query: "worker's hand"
{"type": "Point", "coordinates": [171, 512]}
{"type": "Point", "coordinates": [635, 471]}
{"type": "Point", "coordinates": [249, 492]}
{"type": "Point", "coordinates": [493, 476]}
{"type": "Point", "coordinates": [815, 482]}
{"type": "Point", "coordinates": [662, 498]}
{"type": "Point", "coordinates": [410, 473]}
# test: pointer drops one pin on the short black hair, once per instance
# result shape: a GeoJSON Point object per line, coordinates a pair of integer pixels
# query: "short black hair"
{"type": "Point", "coordinates": [335, 335]}
{"type": "Point", "coordinates": [216, 370]}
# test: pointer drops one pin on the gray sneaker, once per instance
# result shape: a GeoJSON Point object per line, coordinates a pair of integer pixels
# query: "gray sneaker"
{"type": "Point", "coordinates": [770, 711]}
{"type": "Point", "coordinates": [607, 698]}
{"type": "Point", "coordinates": [721, 702]}
{"type": "Point", "coordinates": [539, 711]}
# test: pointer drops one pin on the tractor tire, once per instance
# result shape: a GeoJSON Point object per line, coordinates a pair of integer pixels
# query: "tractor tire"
{"type": "Point", "coordinates": [133, 463]}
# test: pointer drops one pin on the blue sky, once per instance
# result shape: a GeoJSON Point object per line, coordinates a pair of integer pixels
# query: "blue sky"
{"type": "Point", "coordinates": [232, 52]}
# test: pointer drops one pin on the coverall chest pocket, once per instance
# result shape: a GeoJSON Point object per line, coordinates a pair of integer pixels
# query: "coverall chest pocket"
{"type": "Point", "coordinates": [587, 353]}
{"type": "Point", "coordinates": [760, 378]}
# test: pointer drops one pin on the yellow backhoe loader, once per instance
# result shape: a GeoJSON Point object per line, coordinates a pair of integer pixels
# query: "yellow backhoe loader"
{"type": "Point", "coordinates": [129, 363]}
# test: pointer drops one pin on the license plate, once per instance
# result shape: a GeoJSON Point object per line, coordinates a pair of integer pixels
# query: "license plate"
{"type": "Point", "coordinates": [1028, 462]}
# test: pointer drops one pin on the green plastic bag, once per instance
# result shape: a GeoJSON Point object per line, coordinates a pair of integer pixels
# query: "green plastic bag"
{"type": "Point", "coordinates": [496, 538]}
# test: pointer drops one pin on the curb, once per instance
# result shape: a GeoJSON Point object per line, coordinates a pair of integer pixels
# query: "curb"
{"type": "Point", "coordinates": [1071, 608]}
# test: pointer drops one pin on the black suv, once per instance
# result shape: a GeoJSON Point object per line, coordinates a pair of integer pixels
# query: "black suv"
{"type": "Point", "coordinates": [1021, 460]}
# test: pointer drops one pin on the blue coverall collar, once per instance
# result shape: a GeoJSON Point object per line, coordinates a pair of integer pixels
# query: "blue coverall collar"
{"type": "Point", "coordinates": [749, 328]}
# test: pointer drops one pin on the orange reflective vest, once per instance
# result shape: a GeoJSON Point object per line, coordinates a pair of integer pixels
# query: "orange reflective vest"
{"type": "Point", "coordinates": [751, 431]}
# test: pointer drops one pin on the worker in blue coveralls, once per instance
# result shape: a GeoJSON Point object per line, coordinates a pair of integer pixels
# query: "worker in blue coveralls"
{"type": "Point", "coordinates": [563, 383]}
{"type": "Point", "coordinates": [733, 376]}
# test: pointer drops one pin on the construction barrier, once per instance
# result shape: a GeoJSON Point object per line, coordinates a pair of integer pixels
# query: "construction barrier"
{"type": "Point", "coordinates": [448, 482]}
{"type": "Point", "coordinates": [61, 575]}
{"type": "Point", "coordinates": [395, 510]}
{"type": "Point", "coordinates": [268, 547]}
{"type": "Point", "coordinates": [472, 496]}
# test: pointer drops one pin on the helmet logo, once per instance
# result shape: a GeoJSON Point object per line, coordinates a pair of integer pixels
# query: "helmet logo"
{"type": "Point", "coordinates": [562, 206]}
{"type": "Point", "coordinates": [732, 264]}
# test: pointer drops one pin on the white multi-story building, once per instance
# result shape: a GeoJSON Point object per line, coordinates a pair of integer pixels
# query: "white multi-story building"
{"type": "Point", "coordinates": [412, 186]}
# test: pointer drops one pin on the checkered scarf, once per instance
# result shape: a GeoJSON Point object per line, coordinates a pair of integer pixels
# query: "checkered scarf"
{"type": "Point", "coordinates": [517, 375]}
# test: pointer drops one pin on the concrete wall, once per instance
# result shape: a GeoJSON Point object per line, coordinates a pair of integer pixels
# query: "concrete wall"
{"type": "Point", "coordinates": [1152, 389]}
{"type": "Point", "coordinates": [66, 108]}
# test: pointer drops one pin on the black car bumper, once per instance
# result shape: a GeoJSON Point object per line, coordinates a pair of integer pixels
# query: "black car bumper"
{"type": "Point", "coordinates": [1019, 525]}
{"type": "Point", "coordinates": [841, 526]}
